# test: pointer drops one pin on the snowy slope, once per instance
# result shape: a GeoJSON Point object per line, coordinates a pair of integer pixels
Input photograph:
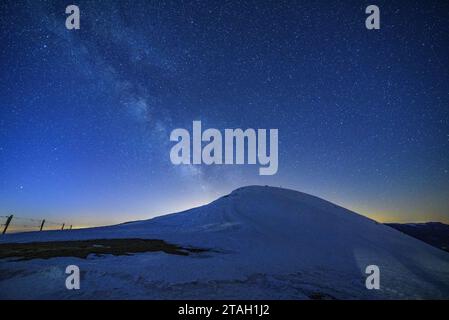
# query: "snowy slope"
{"type": "Point", "coordinates": [267, 243]}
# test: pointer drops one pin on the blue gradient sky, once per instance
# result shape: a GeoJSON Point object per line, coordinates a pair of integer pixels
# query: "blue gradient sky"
{"type": "Point", "coordinates": [363, 116]}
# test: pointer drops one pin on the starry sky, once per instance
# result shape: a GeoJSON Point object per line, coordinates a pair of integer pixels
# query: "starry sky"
{"type": "Point", "coordinates": [86, 115]}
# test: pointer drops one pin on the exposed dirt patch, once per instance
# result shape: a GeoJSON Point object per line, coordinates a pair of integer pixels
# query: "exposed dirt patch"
{"type": "Point", "coordinates": [83, 248]}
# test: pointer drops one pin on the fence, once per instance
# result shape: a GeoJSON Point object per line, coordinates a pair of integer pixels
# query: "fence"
{"type": "Point", "coordinates": [14, 223]}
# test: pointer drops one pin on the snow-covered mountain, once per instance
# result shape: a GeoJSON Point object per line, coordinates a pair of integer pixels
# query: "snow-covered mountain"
{"type": "Point", "coordinates": [433, 233]}
{"type": "Point", "coordinates": [264, 243]}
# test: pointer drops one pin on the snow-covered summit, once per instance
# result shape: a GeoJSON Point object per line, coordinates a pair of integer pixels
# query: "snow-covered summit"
{"type": "Point", "coordinates": [265, 242]}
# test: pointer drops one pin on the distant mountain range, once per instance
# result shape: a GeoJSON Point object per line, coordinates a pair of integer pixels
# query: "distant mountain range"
{"type": "Point", "coordinates": [433, 233]}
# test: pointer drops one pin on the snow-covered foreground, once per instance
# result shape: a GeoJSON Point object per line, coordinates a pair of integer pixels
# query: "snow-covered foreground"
{"type": "Point", "coordinates": [267, 243]}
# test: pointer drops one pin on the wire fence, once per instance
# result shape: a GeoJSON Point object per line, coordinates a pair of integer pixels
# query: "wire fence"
{"type": "Point", "coordinates": [14, 224]}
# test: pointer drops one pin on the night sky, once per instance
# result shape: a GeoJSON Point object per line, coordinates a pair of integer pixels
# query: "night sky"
{"type": "Point", "coordinates": [86, 115]}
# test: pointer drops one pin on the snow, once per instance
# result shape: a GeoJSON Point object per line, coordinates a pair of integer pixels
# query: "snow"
{"type": "Point", "coordinates": [266, 243]}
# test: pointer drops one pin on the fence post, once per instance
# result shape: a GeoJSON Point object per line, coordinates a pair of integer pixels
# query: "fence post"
{"type": "Point", "coordinates": [8, 221]}
{"type": "Point", "coordinates": [63, 226]}
{"type": "Point", "coordinates": [42, 225]}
